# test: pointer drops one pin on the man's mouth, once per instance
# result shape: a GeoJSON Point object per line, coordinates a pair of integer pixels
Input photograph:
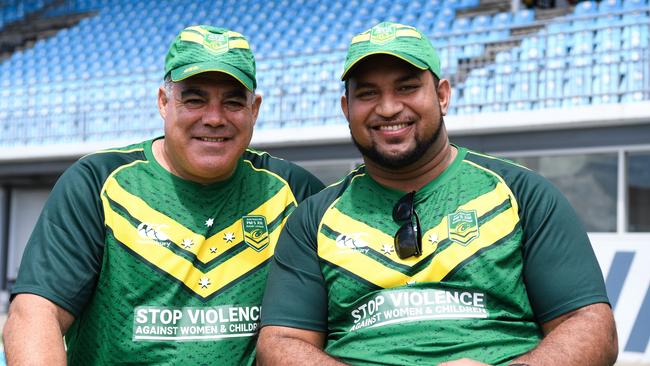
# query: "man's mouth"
{"type": "Point", "coordinates": [393, 127]}
{"type": "Point", "coordinates": [213, 139]}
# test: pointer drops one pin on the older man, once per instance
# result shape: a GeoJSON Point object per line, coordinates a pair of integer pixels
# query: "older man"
{"type": "Point", "coordinates": [430, 253]}
{"type": "Point", "coordinates": [157, 253]}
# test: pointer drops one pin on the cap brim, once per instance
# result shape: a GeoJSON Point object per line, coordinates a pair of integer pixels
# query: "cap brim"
{"type": "Point", "coordinates": [411, 60]}
{"type": "Point", "coordinates": [186, 71]}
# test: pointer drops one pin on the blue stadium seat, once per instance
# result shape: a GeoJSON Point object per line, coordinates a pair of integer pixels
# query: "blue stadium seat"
{"type": "Point", "coordinates": [608, 6]}
{"type": "Point", "coordinates": [608, 45]}
{"type": "Point", "coordinates": [578, 86]}
{"type": "Point", "coordinates": [606, 83]}
{"type": "Point", "coordinates": [582, 48]}
{"type": "Point", "coordinates": [475, 87]}
{"type": "Point", "coordinates": [481, 22]}
{"type": "Point", "coordinates": [634, 4]}
{"type": "Point", "coordinates": [636, 31]}
{"type": "Point", "coordinates": [461, 25]}
{"type": "Point", "coordinates": [502, 19]}
{"type": "Point", "coordinates": [525, 84]}
{"type": "Point", "coordinates": [447, 13]}
{"type": "Point", "coordinates": [634, 78]}
{"type": "Point", "coordinates": [473, 46]}
{"type": "Point", "coordinates": [551, 85]}
{"type": "Point", "coordinates": [464, 4]}
{"type": "Point", "coordinates": [523, 16]}
{"type": "Point", "coordinates": [586, 7]}
{"type": "Point", "coordinates": [532, 48]}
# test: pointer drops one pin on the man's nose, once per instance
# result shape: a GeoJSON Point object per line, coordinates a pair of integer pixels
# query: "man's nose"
{"type": "Point", "coordinates": [389, 106]}
{"type": "Point", "coordinates": [213, 115]}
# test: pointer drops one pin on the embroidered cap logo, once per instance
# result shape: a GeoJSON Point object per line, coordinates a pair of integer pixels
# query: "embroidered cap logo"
{"type": "Point", "coordinates": [383, 33]}
{"type": "Point", "coordinates": [217, 43]}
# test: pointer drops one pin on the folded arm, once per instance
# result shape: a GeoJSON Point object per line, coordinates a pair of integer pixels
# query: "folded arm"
{"type": "Point", "coordinates": [290, 346]}
{"type": "Point", "coordinates": [33, 333]}
{"type": "Point", "coordinates": [586, 336]}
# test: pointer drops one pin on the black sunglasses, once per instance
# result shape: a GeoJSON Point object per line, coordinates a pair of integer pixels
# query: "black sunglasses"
{"type": "Point", "coordinates": [408, 239]}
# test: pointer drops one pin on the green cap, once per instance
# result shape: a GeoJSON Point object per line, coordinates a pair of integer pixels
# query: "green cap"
{"type": "Point", "coordinates": [394, 39]}
{"type": "Point", "coordinates": [202, 48]}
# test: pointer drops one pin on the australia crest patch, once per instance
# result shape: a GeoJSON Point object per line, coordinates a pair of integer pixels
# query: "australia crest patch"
{"type": "Point", "coordinates": [256, 233]}
{"type": "Point", "coordinates": [463, 226]}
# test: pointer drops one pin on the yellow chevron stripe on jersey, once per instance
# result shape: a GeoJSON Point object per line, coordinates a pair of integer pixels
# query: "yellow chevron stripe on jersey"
{"type": "Point", "coordinates": [359, 264]}
{"type": "Point", "coordinates": [501, 185]}
{"type": "Point", "coordinates": [344, 224]}
{"type": "Point", "coordinates": [202, 283]}
{"type": "Point", "coordinates": [491, 232]}
{"type": "Point", "coordinates": [179, 234]}
{"type": "Point", "coordinates": [375, 239]}
{"type": "Point", "coordinates": [139, 209]}
{"type": "Point", "coordinates": [441, 265]}
{"type": "Point", "coordinates": [444, 262]}
{"type": "Point", "coordinates": [270, 209]}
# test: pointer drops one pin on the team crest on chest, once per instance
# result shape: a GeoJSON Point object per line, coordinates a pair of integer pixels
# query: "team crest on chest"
{"type": "Point", "coordinates": [256, 233]}
{"type": "Point", "coordinates": [463, 226]}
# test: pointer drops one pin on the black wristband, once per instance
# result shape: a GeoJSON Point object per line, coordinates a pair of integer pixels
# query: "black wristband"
{"type": "Point", "coordinates": [518, 364]}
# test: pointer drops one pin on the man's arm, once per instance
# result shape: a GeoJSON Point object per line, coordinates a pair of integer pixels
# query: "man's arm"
{"type": "Point", "coordinates": [583, 337]}
{"type": "Point", "coordinates": [291, 346]}
{"type": "Point", "coordinates": [586, 336]}
{"type": "Point", "coordinates": [33, 333]}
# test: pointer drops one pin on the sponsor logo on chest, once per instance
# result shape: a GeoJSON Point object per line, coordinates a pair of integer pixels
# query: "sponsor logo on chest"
{"type": "Point", "coordinates": [351, 242]}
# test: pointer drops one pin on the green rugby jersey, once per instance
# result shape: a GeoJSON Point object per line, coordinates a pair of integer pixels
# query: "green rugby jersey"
{"type": "Point", "coordinates": [157, 269]}
{"type": "Point", "coordinates": [502, 252]}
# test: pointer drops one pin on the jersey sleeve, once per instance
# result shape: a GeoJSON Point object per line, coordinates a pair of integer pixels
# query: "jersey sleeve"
{"type": "Point", "coordinates": [560, 269]}
{"type": "Point", "coordinates": [304, 184]}
{"type": "Point", "coordinates": [62, 258]}
{"type": "Point", "coordinates": [295, 291]}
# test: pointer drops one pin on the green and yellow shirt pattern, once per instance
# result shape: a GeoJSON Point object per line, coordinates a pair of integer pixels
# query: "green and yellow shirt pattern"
{"type": "Point", "coordinates": [502, 252]}
{"type": "Point", "coordinates": [157, 269]}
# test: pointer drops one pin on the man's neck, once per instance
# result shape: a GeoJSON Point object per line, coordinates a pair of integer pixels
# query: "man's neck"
{"type": "Point", "coordinates": [417, 175]}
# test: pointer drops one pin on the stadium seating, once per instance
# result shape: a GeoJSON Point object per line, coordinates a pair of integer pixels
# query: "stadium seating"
{"type": "Point", "coordinates": [12, 11]}
{"type": "Point", "coordinates": [576, 60]}
{"type": "Point", "coordinates": [98, 79]}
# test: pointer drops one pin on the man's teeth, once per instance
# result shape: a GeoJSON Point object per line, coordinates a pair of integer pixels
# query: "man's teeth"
{"type": "Point", "coordinates": [212, 139]}
{"type": "Point", "coordinates": [393, 127]}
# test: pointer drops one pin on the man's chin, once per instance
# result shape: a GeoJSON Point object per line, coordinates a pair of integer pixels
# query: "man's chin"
{"type": "Point", "coordinates": [393, 160]}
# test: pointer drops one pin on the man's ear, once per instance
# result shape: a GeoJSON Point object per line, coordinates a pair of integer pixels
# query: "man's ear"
{"type": "Point", "coordinates": [162, 101]}
{"type": "Point", "coordinates": [344, 106]}
{"type": "Point", "coordinates": [257, 102]}
{"type": "Point", "coordinates": [444, 95]}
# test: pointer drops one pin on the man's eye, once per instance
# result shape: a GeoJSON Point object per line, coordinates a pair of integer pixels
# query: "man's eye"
{"type": "Point", "coordinates": [193, 101]}
{"type": "Point", "coordinates": [407, 87]}
{"type": "Point", "coordinates": [366, 94]}
{"type": "Point", "coordinates": [234, 103]}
